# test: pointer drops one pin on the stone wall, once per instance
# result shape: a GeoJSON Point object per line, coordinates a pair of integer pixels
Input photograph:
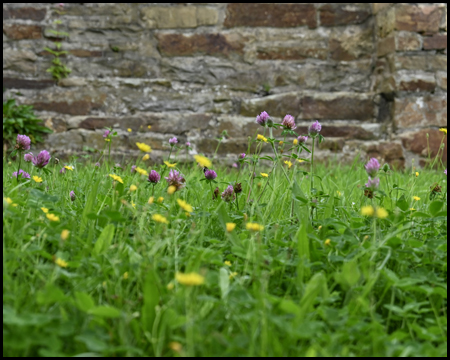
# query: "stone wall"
{"type": "Point", "coordinates": [374, 74]}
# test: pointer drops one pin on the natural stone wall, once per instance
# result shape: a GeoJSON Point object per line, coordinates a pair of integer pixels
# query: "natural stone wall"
{"type": "Point", "coordinates": [374, 74]}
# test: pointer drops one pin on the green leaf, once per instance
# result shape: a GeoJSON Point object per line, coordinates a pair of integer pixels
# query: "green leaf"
{"type": "Point", "coordinates": [224, 282]}
{"type": "Point", "coordinates": [105, 311]}
{"type": "Point", "coordinates": [84, 301]}
{"type": "Point", "coordinates": [151, 300]}
{"type": "Point", "coordinates": [50, 295]}
{"type": "Point", "coordinates": [435, 207]}
{"type": "Point", "coordinates": [402, 203]}
{"type": "Point", "coordinates": [104, 240]}
{"type": "Point", "coordinates": [88, 207]}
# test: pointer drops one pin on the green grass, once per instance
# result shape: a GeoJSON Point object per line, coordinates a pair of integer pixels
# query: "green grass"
{"type": "Point", "coordinates": [377, 288]}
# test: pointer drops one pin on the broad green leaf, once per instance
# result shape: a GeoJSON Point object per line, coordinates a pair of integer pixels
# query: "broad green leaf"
{"type": "Point", "coordinates": [435, 207]}
{"type": "Point", "coordinates": [151, 300]}
{"type": "Point", "coordinates": [104, 240]}
{"type": "Point", "coordinates": [84, 301]}
{"type": "Point", "coordinates": [224, 282]}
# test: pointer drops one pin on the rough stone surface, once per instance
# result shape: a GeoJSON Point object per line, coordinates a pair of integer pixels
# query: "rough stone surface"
{"type": "Point", "coordinates": [417, 143]}
{"type": "Point", "coordinates": [21, 32]}
{"type": "Point", "coordinates": [435, 42]}
{"type": "Point", "coordinates": [178, 17]}
{"type": "Point", "coordinates": [418, 18]}
{"type": "Point", "coordinates": [421, 112]}
{"type": "Point", "coordinates": [344, 14]}
{"type": "Point", "coordinates": [26, 13]}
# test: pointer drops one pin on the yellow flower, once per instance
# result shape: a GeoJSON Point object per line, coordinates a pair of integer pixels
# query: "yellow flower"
{"type": "Point", "coordinates": [141, 171]}
{"type": "Point", "coordinates": [254, 227]}
{"type": "Point", "coordinates": [444, 130]}
{"type": "Point", "coordinates": [171, 189]}
{"type": "Point", "coordinates": [233, 275]}
{"type": "Point", "coordinates": [61, 263]}
{"type": "Point", "coordinates": [37, 179]}
{"type": "Point", "coordinates": [133, 188]}
{"type": "Point", "coordinates": [125, 275]}
{"type": "Point", "coordinates": [191, 279]}
{"type": "Point", "coordinates": [288, 163]}
{"type": "Point", "coordinates": [149, 127]}
{"type": "Point", "coordinates": [185, 206]}
{"type": "Point", "coordinates": [261, 138]}
{"type": "Point", "coordinates": [159, 218]}
{"type": "Point", "coordinates": [45, 210]}
{"type": "Point", "coordinates": [129, 130]}
{"type": "Point", "coordinates": [8, 200]}
{"type": "Point", "coordinates": [301, 161]}
{"type": "Point", "coordinates": [170, 286]}
{"type": "Point", "coordinates": [416, 198]}
{"type": "Point", "coordinates": [382, 213]}
{"type": "Point", "coordinates": [367, 211]}
{"type": "Point", "coordinates": [52, 217]}
{"type": "Point", "coordinates": [264, 175]}
{"type": "Point", "coordinates": [176, 346]}
{"type": "Point", "coordinates": [320, 227]}
{"type": "Point", "coordinates": [117, 178]}
{"type": "Point", "coordinates": [144, 147]}
{"type": "Point", "coordinates": [230, 226]}
{"type": "Point", "coordinates": [412, 209]}
{"type": "Point", "coordinates": [65, 234]}
{"type": "Point", "coordinates": [203, 161]}
{"type": "Point", "coordinates": [146, 157]}
{"type": "Point", "coordinates": [68, 168]}
{"type": "Point", "coordinates": [107, 139]}
{"type": "Point", "coordinates": [169, 165]}
{"type": "Point", "coordinates": [227, 263]}
{"type": "Point", "coordinates": [417, 174]}
{"type": "Point", "coordinates": [281, 143]}
{"type": "Point", "coordinates": [295, 142]}
{"type": "Point", "coordinates": [338, 193]}
{"type": "Point", "coordinates": [150, 201]}
{"type": "Point", "coordinates": [133, 204]}
{"type": "Point", "coordinates": [327, 242]}
{"type": "Point", "coordinates": [160, 199]}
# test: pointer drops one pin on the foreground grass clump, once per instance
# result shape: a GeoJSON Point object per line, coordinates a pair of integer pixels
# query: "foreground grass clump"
{"type": "Point", "coordinates": [257, 261]}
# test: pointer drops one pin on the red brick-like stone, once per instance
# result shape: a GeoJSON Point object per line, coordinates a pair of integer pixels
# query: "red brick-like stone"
{"type": "Point", "coordinates": [417, 85]}
{"type": "Point", "coordinates": [12, 83]}
{"type": "Point", "coordinates": [271, 15]}
{"type": "Point", "coordinates": [208, 44]}
{"type": "Point", "coordinates": [333, 14]}
{"type": "Point", "coordinates": [275, 105]}
{"type": "Point", "coordinates": [423, 19]}
{"type": "Point", "coordinates": [386, 46]}
{"type": "Point", "coordinates": [338, 108]}
{"type": "Point", "coordinates": [85, 53]}
{"type": "Point", "coordinates": [435, 42]}
{"type": "Point", "coordinates": [21, 32]}
{"type": "Point", "coordinates": [291, 53]}
{"type": "Point", "coordinates": [26, 13]}
{"type": "Point", "coordinates": [389, 152]}
{"type": "Point", "coordinates": [417, 143]}
{"type": "Point", "coordinates": [79, 107]}
{"type": "Point", "coordinates": [422, 111]}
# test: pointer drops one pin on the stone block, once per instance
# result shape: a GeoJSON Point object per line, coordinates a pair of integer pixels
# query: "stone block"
{"type": "Point", "coordinates": [70, 140]}
{"type": "Point", "coordinates": [275, 105]}
{"type": "Point", "coordinates": [173, 17]}
{"type": "Point", "coordinates": [307, 50]}
{"type": "Point", "coordinates": [75, 107]}
{"type": "Point", "coordinates": [407, 41]}
{"type": "Point", "coordinates": [385, 46]}
{"type": "Point", "coordinates": [333, 145]}
{"type": "Point", "coordinates": [337, 106]}
{"type": "Point", "coordinates": [377, 7]}
{"type": "Point", "coordinates": [13, 83]}
{"type": "Point", "coordinates": [417, 143]}
{"type": "Point", "coordinates": [24, 13]}
{"type": "Point", "coordinates": [270, 15]}
{"type": "Point", "coordinates": [420, 111]}
{"type": "Point", "coordinates": [22, 61]}
{"type": "Point", "coordinates": [334, 14]}
{"type": "Point", "coordinates": [229, 146]}
{"type": "Point", "coordinates": [385, 22]}
{"type": "Point", "coordinates": [441, 80]}
{"type": "Point", "coordinates": [346, 131]}
{"type": "Point", "coordinates": [351, 43]}
{"type": "Point", "coordinates": [387, 152]}
{"type": "Point", "coordinates": [435, 42]}
{"type": "Point", "coordinates": [83, 53]}
{"type": "Point", "coordinates": [419, 81]}
{"type": "Point", "coordinates": [421, 62]}
{"type": "Point", "coordinates": [21, 32]}
{"type": "Point", "coordinates": [418, 18]}
{"type": "Point", "coordinates": [200, 44]}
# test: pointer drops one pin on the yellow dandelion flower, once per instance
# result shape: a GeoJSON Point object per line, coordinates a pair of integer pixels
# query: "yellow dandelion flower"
{"type": "Point", "coordinates": [203, 161]}
{"type": "Point", "coordinates": [301, 161]}
{"type": "Point", "coordinates": [171, 189]}
{"type": "Point", "coordinates": [187, 214]}
{"type": "Point", "coordinates": [150, 201]}
{"type": "Point", "coordinates": [417, 174]}
{"type": "Point", "coordinates": [61, 263]}
{"type": "Point", "coordinates": [37, 179]}
{"type": "Point", "coordinates": [159, 218]}
{"type": "Point", "coordinates": [175, 346]}
{"type": "Point", "coordinates": [170, 286]}
{"type": "Point", "coordinates": [230, 226]}
{"type": "Point", "coordinates": [254, 227]}
{"type": "Point", "coordinates": [288, 163]}
{"type": "Point", "coordinates": [295, 142]}
{"type": "Point", "coordinates": [281, 143]}
{"type": "Point", "coordinates": [185, 206]}
{"type": "Point", "coordinates": [149, 127]}
{"type": "Point", "coordinates": [108, 140]}
{"type": "Point", "coordinates": [45, 210]}
{"type": "Point", "coordinates": [141, 171]}
{"type": "Point", "coordinates": [444, 130]}
{"type": "Point", "coordinates": [133, 188]}
{"type": "Point", "coordinates": [327, 242]}
{"type": "Point", "coordinates": [8, 200]}
{"type": "Point", "coordinates": [116, 178]}
{"type": "Point", "coordinates": [227, 263]}
{"type": "Point", "coordinates": [52, 217]}
{"type": "Point", "coordinates": [261, 138]}
{"type": "Point", "coordinates": [367, 211]}
{"type": "Point", "coordinates": [169, 165]}
{"type": "Point", "coordinates": [144, 147]}
{"type": "Point", "coordinates": [416, 198]}
{"type": "Point", "coordinates": [160, 199]}
{"type": "Point", "coordinates": [68, 168]}
{"type": "Point", "coordinates": [264, 175]}
{"type": "Point", "coordinates": [65, 234]}
{"type": "Point", "coordinates": [382, 213]}
{"type": "Point", "coordinates": [146, 157]}
{"type": "Point", "coordinates": [129, 130]}
{"type": "Point", "coordinates": [233, 275]}
{"type": "Point", "coordinates": [133, 204]}
{"type": "Point", "coordinates": [320, 227]}
{"type": "Point", "coordinates": [125, 275]}
{"type": "Point", "coordinates": [191, 279]}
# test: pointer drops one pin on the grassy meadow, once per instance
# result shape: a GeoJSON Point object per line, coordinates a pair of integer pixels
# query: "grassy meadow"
{"type": "Point", "coordinates": [287, 267]}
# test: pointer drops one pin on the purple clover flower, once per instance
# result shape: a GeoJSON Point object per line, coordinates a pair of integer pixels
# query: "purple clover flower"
{"type": "Point", "coordinates": [133, 169]}
{"type": "Point", "coordinates": [173, 141]}
{"type": "Point", "coordinates": [228, 194]}
{"type": "Point", "coordinates": [445, 172]}
{"type": "Point", "coordinates": [176, 179]}
{"type": "Point", "coordinates": [97, 165]}
{"type": "Point", "coordinates": [262, 118]}
{"type": "Point", "coordinates": [106, 133]}
{"type": "Point", "coordinates": [242, 156]}
{"type": "Point", "coordinates": [22, 174]}
{"type": "Point", "coordinates": [302, 139]}
{"type": "Point", "coordinates": [315, 128]}
{"type": "Point", "coordinates": [62, 171]}
{"type": "Point", "coordinates": [28, 157]}
{"type": "Point", "coordinates": [42, 159]}
{"type": "Point", "coordinates": [188, 144]}
{"type": "Point", "coordinates": [373, 184]}
{"type": "Point", "coordinates": [289, 122]}
{"type": "Point", "coordinates": [235, 165]}
{"type": "Point", "coordinates": [372, 167]}
{"type": "Point", "coordinates": [23, 142]}
{"type": "Point", "coordinates": [210, 175]}
{"type": "Point", "coordinates": [72, 195]}
{"type": "Point", "coordinates": [154, 177]}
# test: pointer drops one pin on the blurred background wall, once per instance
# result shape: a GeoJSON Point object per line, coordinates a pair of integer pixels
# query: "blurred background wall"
{"type": "Point", "coordinates": [375, 75]}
